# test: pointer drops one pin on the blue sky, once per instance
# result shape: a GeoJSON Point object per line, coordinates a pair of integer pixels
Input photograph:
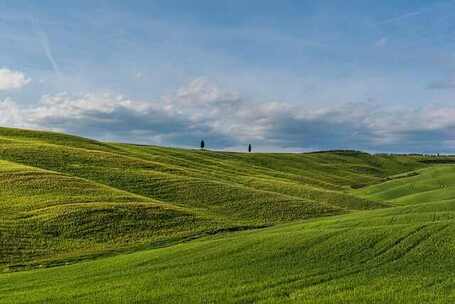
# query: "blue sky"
{"type": "Point", "coordinates": [284, 75]}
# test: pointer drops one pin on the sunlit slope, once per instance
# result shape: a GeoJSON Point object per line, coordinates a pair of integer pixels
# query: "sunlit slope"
{"type": "Point", "coordinates": [249, 188]}
{"type": "Point", "coordinates": [64, 198]}
{"type": "Point", "coordinates": [327, 170]}
{"type": "Point", "coordinates": [428, 185]}
{"type": "Point", "coordinates": [395, 255]}
{"type": "Point", "coordinates": [167, 182]}
{"type": "Point", "coordinates": [32, 136]}
{"type": "Point", "coordinates": [48, 215]}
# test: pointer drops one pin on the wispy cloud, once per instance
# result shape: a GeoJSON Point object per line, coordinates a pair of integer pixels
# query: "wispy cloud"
{"type": "Point", "coordinates": [430, 7]}
{"type": "Point", "coordinates": [45, 44]}
{"type": "Point", "coordinates": [402, 17]}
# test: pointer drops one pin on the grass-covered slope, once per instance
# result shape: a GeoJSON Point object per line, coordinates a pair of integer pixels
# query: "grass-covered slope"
{"type": "Point", "coordinates": [396, 255]}
{"type": "Point", "coordinates": [64, 198]}
{"type": "Point", "coordinates": [259, 188]}
{"type": "Point", "coordinates": [44, 214]}
{"type": "Point", "coordinates": [421, 186]}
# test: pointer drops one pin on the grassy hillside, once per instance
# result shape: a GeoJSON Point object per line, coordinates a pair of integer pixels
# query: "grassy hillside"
{"type": "Point", "coordinates": [396, 255]}
{"type": "Point", "coordinates": [224, 192]}
{"type": "Point", "coordinates": [68, 197]}
{"type": "Point", "coordinates": [47, 214]}
{"type": "Point", "coordinates": [65, 197]}
{"type": "Point", "coordinates": [279, 186]}
{"type": "Point", "coordinates": [344, 226]}
{"type": "Point", "coordinates": [422, 186]}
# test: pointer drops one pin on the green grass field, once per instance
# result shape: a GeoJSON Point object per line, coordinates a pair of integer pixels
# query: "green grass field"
{"type": "Point", "coordinates": [88, 222]}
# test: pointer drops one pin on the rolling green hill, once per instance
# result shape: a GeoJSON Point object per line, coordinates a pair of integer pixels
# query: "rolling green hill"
{"type": "Point", "coordinates": [422, 186]}
{"type": "Point", "coordinates": [67, 197]}
{"type": "Point", "coordinates": [397, 255]}
{"type": "Point", "coordinates": [325, 227]}
{"type": "Point", "coordinates": [48, 214]}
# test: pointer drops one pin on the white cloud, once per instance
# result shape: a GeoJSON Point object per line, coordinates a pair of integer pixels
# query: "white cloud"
{"type": "Point", "coordinates": [10, 114]}
{"type": "Point", "coordinates": [10, 79]}
{"type": "Point", "coordinates": [224, 119]}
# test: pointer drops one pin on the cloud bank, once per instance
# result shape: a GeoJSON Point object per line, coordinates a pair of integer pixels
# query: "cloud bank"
{"type": "Point", "coordinates": [10, 79]}
{"type": "Point", "coordinates": [225, 120]}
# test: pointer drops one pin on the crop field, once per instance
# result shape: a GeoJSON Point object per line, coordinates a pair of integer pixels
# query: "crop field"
{"type": "Point", "coordinates": [83, 221]}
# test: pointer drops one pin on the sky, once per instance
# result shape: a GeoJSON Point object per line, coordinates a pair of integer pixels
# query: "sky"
{"type": "Point", "coordinates": [294, 76]}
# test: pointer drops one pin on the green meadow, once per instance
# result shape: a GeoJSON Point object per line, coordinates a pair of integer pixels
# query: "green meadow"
{"type": "Point", "coordinates": [83, 221]}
